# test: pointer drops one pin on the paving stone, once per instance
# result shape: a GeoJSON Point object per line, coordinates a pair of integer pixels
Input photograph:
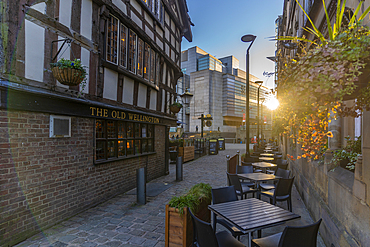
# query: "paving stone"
{"type": "Point", "coordinates": [92, 237]}
{"type": "Point", "coordinates": [160, 244]}
{"type": "Point", "coordinates": [126, 224]}
{"type": "Point", "coordinates": [73, 231]}
{"type": "Point", "coordinates": [108, 234]}
{"type": "Point", "coordinates": [148, 228]}
{"type": "Point", "coordinates": [152, 235]}
{"type": "Point", "coordinates": [122, 230]}
{"type": "Point", "coordinates": [115, 221]}
{"type": "Point", "coordinates": [150, 243]}
{"type": "Point", "coordinates": [58, 244]}
{"type": "Point", "coordinates": [96, 230]}
{"type": "Point", "coordinates": [79, 241]}
{"type": "Point", "coordinates": [101, 240]}
{"type": "Point", "coordinates": [67, 238]}
{"type": "Point", "coordinates": [85, 227]}
{"type": "Point", "coordinates": [137, 240]}
{"type": "Point", "coordinates": [123, 237]}
{"type": "Point", "coordinates": [110, 227]}
{"type": "Point", "coordinates": [88, 244]}
{"type": "Point", "coordinates": [113, 243]}
{"type": "Point", "coordinates": [137, 232]}
{"type": "Point", "coordinates": [82, 234]}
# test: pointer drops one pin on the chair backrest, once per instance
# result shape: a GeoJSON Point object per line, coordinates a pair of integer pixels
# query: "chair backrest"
{"type": "Point", "coordinates": [244, 169]}
{"type": "Point", "coordinates": [205, 236]}
{"type": "Point", "coordinates": [284, 186]}
{"type": "Point", "coordinates": [224, 194]}
{"type": "Point", "coordinates": [282, 173]}
{"type": "Point", "coordinates": [303, 236]}
{"type": "Point", "coordinates": [234, 180]}
{"type": "Point", "coordinates": [281, 162]}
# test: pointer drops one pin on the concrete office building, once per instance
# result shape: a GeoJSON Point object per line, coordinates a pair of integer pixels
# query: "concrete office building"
{"type": "Point", "coordinates": [218, 86]}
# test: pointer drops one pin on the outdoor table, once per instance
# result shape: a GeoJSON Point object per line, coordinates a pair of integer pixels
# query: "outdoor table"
{"type": "Point", "coordinates": [266, 158]}
{"type": "Point", "coordinates": [267, 154]}
{"type": "Point", "coordinates": [258, 178]}
{"type": "Point", "coordinates": [263, 165]}
{"type": "Point", "coordinates": [250, 215]}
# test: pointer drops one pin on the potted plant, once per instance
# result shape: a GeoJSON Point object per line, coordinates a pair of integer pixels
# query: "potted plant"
{"type": "Point", "coordinates": [70, 73]}
{"type": "Point", "coordinates": [175, 107]}
{"type": "Point", "coordinates": [347, 156]}
{"type": "Point", "coordinates": [178, 225]}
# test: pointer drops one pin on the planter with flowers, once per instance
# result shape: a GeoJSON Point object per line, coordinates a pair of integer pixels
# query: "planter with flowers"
{"type": "Point", "coordinates": [347, 156]}
{"type": "Point", "coordinates": [70, 73]}
{"type": "Point", "coordinates": [175, 107]}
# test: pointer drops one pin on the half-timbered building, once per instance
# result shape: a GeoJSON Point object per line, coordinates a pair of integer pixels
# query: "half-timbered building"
{"type": "Point", "coordinates": [63, 148]}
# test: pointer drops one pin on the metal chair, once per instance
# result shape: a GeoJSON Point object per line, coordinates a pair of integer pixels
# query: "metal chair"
{"type": "Point", "coordinates": [302, 236]}
{"type": "Point", "coordinates": [280, 173]}
{"type": "Point", "coordinates": [220, 195]}
{"type": "Point", "coordinates": [245, 169]}
{"type": "Point", "coordinates": [240, 190]}
{"type": "Point", "coordinates": [206, 237]}
{"type": "Point", "coordinates": [282, 192]}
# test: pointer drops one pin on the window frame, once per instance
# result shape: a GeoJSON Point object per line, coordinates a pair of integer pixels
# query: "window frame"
{"type": "Point", "coordinates": [103, 140]}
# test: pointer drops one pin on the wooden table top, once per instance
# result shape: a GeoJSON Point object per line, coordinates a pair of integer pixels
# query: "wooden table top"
{"type": "Point", "coordinates": [263, 164]}
{"type": "Point", "coordinates": [266, 158]}
{"type": "Point", "coordinates": [258, 177]}
{"type": "Point", "coordinates": [252, 214]}
{"type": "Point", "coordinates": [267, 154]}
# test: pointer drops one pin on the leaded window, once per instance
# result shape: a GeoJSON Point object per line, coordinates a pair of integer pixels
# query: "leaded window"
{"type": "Point", "coordinates": [112, 39]}
{"type": "Point", "coordinates": [123, 46]}
{"type": "Point", "coordinates": [146, 61]}
{"type": "Point", "coordinates": [140, 56]}
{"type": "Point", "coordinates": [119, 139]}
{"type": "Point", "coordinates": [152, 67]}
{"type": "Point", "coordinates": [132, 52]}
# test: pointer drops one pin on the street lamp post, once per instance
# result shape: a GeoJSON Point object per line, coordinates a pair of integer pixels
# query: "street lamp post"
{"type": "Point", "coordinates": [247, 38]}
{"type": "Point", "coordinates": [186, 98]}
{"type": "Point", "coordinates": [263, 121]}
{"type": "Point", "coordinates": [258, 111]}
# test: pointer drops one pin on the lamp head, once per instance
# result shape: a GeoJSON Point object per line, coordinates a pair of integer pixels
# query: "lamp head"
{"type": "Point", "coordinates": [259, 82]}
{"type": "Point", "coordinates": [186, 97]}
{"type": "Point", "coordinates": [248, 38]}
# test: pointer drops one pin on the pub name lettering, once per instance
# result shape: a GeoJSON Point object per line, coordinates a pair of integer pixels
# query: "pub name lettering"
{"type": "Point", "coordinates": [106, 113]}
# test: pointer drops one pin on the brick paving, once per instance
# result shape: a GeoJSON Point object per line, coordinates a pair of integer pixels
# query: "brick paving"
{"type": "Point", "coordinates": [121, 222]}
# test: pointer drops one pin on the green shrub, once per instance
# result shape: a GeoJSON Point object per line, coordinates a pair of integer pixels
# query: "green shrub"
{"type": "Point", "coordinates": [193, 198]}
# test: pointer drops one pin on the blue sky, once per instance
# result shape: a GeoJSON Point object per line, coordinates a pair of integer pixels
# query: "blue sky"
{"type": "Point", "coordinates": [220, 24]}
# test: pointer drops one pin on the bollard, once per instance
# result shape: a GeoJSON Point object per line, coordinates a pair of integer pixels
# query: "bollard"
{"type": "Point", "coordinates": [141, 186]}
{"type": "Point", "coordinates": [179, 169]}
{"type": "Point", "coordinates": [228, 169]}
{"type": "Point", "coordinates": [238, 154]}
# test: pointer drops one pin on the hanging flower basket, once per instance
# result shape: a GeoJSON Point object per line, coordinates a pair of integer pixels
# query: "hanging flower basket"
{"type": "Point", "coordinates": [67, 72]}
{"type": "Point", "coordinates": [175, 107]}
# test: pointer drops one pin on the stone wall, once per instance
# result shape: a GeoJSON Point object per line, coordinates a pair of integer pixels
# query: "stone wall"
{"type": "Point", "coordinates": [336, 195]}
{"type": "Point", "coordinates": [46, 180]}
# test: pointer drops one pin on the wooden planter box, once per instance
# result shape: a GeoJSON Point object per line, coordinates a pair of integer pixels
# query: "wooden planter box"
{"type": "Point", "coordinates": [187, 153]}
{"type": "Point", "coordinates": [179, 228]}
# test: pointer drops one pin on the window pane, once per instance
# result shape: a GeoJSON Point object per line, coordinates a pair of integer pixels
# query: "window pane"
{"type": "Point", "coordinates": [121, 148]}
{"type": "Point", "coordinates": [144, 146]}
{"type": "Point", "coordinates": [150, 130]}
{"type": "Point", "coordinates": [137, 130]}
{"type": "Point", "coordinates": [150, 145]}
{"type": "Point", "coordinates": [130, 130]}
{"type": "Point", "coordinates": [111, 149]}
{"type": "Point", "coordinates": [99, 129]}
{"type": "Point", "coordinates": [137, 146]}
{"type": "Point", "coordinates": [132, 52]}
{"type": "Point", "coordinates": [100, 150]}
{"type": "Point", "coordinates": [111, 129]}
{"type": "Point", "coordinates": [130, 147]}
{"type": "Point", "coordinates": [143, 130]}
{"type": "Point", "coordinates": [140, 57]}
{"type": "Point", "coordinates": [146, 61]}
{"type": "Point", "coordinates": [123, 47]}
{"type": "Point", "coordinates": [112, 36]}
{"type": "Point", "coordinates": [121, 130]}
{"type": "Point", "coordinates": [152, 67]}
{"type": "Point", "coordinates": [156, 6]}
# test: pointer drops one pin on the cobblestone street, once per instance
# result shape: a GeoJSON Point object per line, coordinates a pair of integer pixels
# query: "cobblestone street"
{"type": "Point", "coordinates": [121, 222]}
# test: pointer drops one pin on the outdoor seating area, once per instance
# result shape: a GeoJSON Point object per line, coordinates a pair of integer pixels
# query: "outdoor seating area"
{"type": "Point", "coordinates": [249, 203]}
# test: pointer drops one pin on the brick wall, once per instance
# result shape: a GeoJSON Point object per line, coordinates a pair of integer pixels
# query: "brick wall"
{"type": "Point", "coordinates": [45, 180]}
